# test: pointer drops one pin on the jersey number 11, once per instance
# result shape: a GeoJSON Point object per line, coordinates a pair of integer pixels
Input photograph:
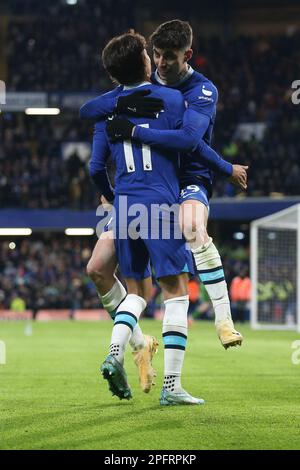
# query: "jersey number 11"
{"type": "Point", "coordinates": [146, 153]}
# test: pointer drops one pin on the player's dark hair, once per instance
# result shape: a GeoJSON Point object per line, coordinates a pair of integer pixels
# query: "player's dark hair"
{"type": "Point", "coordinates": [123, 58]}
{"type": "Point", "coordinates": [175, 34]}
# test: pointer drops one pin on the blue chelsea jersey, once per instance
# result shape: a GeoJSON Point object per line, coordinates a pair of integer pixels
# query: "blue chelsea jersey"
{"type": "Point", "coordinates": [201, 95]}
{"type": "Point", "coordinates": [145, 174]}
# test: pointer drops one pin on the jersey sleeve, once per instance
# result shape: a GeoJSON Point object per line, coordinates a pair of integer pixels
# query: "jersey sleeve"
{"type": "Point", "coordinates": [176, 109]}
{"type": "Point", "coordinates": [98, 161]}
{"type": "Point", "coordinates": [100, 107]}
{"type": "Point", "coordinates": [204, 99]}
{"type": "Point", "coordinates": [189, 138]}
{"type": "Point", "coordinates": [210, 158]}
{"type": "Point", "coordinates": [186, 138]}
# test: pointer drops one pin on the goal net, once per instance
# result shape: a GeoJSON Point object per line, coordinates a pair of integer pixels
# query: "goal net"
{"type": "Point", "coordinates": [275, 270]}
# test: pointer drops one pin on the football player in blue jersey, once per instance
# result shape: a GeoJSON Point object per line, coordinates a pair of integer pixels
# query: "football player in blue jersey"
{"type": "Point", "coordinates": [171, 44]}
{"type": "Point", "coordinates": [147, 182]}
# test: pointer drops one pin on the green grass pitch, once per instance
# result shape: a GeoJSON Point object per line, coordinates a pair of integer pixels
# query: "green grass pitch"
{"type": "Point", "coordinates": [53, 397]}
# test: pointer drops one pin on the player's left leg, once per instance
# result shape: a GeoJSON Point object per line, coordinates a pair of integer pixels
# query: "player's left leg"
{"type": "Point", "coordinates": [135, 266]}
{"type": "Point", "coordinates": [193, 220]}
{"type": "Point", "coordinates": [143, 356]}
{"type": "Point", "coordinates": [126, 319]}
{"type": "Point", "coordinates": [101, 269]}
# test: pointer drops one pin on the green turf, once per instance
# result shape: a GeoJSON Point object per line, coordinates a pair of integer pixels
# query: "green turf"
{"type": "Point", "coordinates": [52, 395]}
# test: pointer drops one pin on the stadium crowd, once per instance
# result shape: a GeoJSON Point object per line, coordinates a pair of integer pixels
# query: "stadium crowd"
{"type": "Point", "coordinates": [253, 75]}
{"type": "Point", "coordinates": [51, 46]}
{"type": "Point", "coordinates": [50, 272]}
{"type": "Point", "coordinates": [47, 272]}
{"type": "Point", "coordinates": [56, 46]}
{"type": "Point", "coordinates": [35, 174]}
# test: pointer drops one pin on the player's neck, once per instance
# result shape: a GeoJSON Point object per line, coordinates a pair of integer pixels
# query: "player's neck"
{"type": "Point", "coordinates": [136, 85]}
{"type": "Point", "coordinates": [183, 75]}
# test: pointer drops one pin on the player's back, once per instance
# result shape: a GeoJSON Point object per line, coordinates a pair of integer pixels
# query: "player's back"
{"type": "Point", "coordinates": [150, 175]}
{"type": "Point", "coordinates": [149, 178]}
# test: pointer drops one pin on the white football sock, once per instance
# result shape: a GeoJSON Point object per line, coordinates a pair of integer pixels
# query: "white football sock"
{"type": "Point", "coordinates": [210, 269]}
{"type": "Point", "coordinates": [111, 301]}
{"type": "Point", "coordinates": [125, 321]}
{"type": "Point", "coordinates": [137, 340]}
{"type": "Point", "coordinates": [174, 337]}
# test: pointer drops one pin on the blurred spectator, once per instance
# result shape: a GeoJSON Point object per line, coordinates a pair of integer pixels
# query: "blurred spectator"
{"type": "Point", "coordinates": [194, 295]}
{"type": "Point", "coordinates": [200, 306]}
{"type": "Point", "coordinates": [240, 295]}
{"type": "Point", "coordinates": [17, 304]}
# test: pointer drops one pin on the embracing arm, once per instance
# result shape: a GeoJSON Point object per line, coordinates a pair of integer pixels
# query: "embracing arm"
{"type": "Point", "coordinates": [188, 138]}
{"type": "Point", "coordinates": [120, 128]}
{"type": "Point", "coordinates": [137, 104]}
{"type": "Point", "coordinates": [195, 120]}
{"type": "Point", "coordinates": [184, 139]}
{"type": "Point", "coordinates": [213, 160]}
{"type": "Point", "coordinates": [188, 126]}
{"type": "Point", "coordinates": [99, 107]}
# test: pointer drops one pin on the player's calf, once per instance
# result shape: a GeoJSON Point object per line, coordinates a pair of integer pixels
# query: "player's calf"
{"type": "Point", "coordinates": [102, 265]}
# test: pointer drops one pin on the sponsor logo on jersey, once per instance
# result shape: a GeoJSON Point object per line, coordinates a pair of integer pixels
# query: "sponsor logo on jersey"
{"type": "Point", "coordinates": [206, 92]}
{"type": "Point", "coordinates": [205, 98]}
{"type": "Point", "coordinates": [207, 95]}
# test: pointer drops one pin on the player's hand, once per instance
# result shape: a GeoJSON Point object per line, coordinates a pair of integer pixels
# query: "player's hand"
{"type": "Point", "coordinates": [239, 176]}
{"type": "Point", "coordinates": [119, 129]}
{"type": "Point", "coordinates": [107, 206]}
{"type": "Point", "coordinates": [139, 104]}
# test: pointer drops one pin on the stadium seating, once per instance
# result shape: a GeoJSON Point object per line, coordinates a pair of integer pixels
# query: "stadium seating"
{"type": "Point", "coordinates": [49, 272]}
{"type": "Point", "coordinates": [253, 76]}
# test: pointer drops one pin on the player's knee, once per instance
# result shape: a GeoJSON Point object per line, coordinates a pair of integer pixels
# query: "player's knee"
{"type": "Point", "coordinates": [90, 270]}
{"type": "Point", "coordinates": [202, 236]}
{"type": "Point", "coordinates": [174, 286]}
{"type": "Point", "coordinates": [193, 232]}
{"type": "Point", "coordinates": [94, 270]}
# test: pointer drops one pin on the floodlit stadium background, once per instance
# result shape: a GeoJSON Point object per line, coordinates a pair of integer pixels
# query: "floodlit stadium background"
{"type": "Point", "coordinates": [51, 52]}
{"type": "Point", "coordinates": [49, 381]}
